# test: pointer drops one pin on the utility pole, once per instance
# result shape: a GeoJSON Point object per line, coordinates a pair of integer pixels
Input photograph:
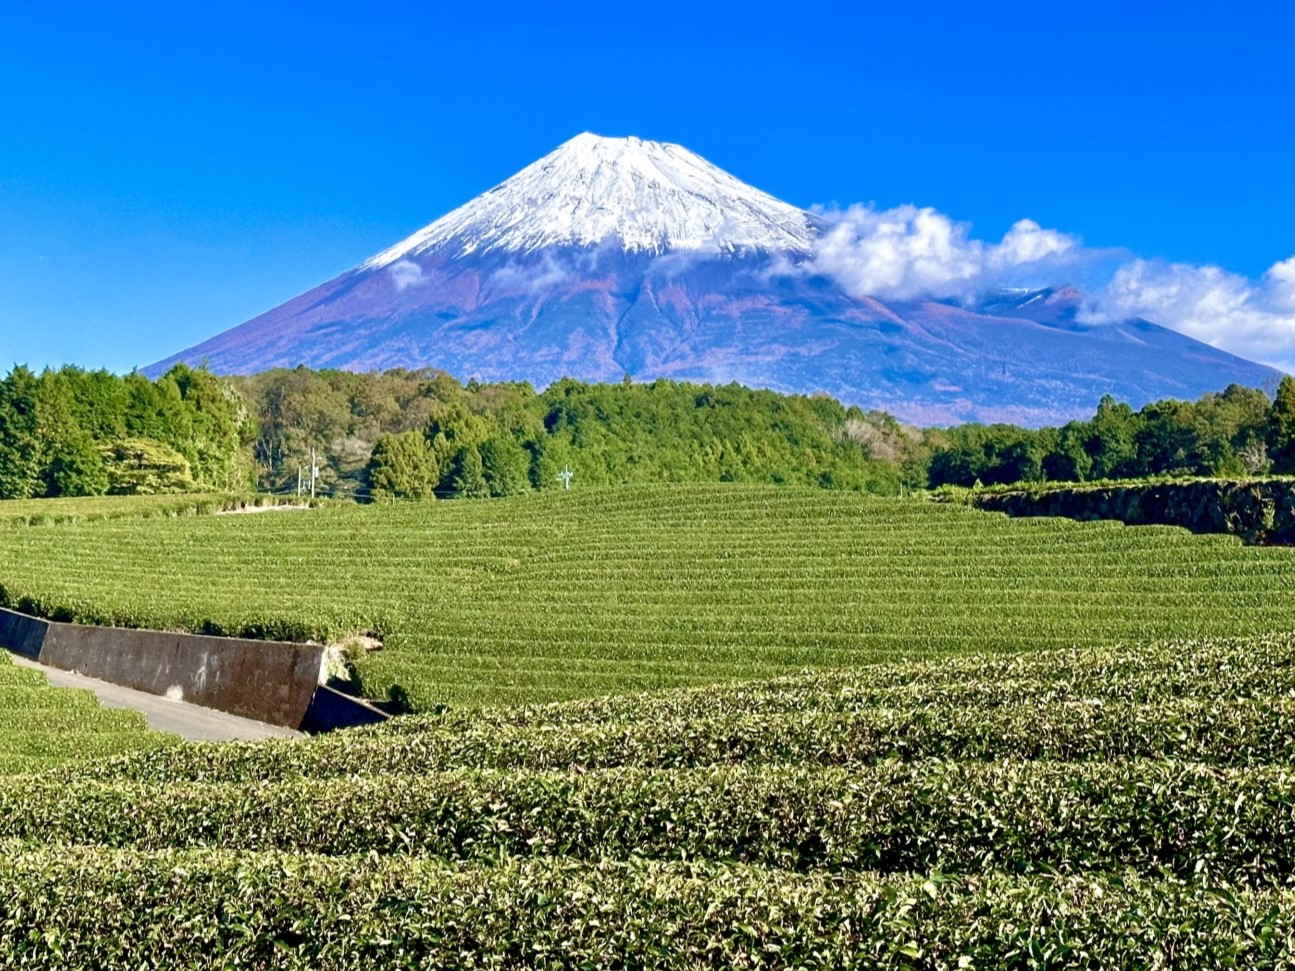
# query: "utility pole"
{"type": "Point", "coordinates": [299, 481]}
{"type": "Point", "coordinates": [314, 472]}
{"type": "Point", "coordinates": [565, 477]}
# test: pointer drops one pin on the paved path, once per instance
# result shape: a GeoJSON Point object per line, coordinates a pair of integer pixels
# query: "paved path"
{"type": "Point", "coordinates": [193, 722]}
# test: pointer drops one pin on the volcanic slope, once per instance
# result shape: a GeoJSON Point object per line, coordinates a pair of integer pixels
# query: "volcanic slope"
{"type": "Point", "coordinates": [566, 594]}
{"type": "Point", "coordinates": [615, 256]}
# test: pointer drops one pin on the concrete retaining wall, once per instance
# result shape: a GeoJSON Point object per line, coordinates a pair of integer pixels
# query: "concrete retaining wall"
{"type": "Point", "coordinates": [332, 709]}
{"type": "Point", "coordinates": [269, 681]}
{"type": "Point", "coordinates": [22, 634]}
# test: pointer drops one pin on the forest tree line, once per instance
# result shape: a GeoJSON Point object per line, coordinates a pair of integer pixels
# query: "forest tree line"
{"type": "Point", "coordinates": [422, 434]}
{"type": "Point", "coordinates": [1237, 433]}
{"type": "Point", "coordinates": [86, 433]}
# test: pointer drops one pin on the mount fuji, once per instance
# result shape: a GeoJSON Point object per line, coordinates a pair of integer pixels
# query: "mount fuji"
{"type": "Point", "coordinates": [616, 256]}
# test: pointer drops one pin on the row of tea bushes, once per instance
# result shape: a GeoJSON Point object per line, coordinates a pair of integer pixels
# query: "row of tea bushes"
{"type": "Point", "coordinates": [42, 726]}
{"type": "Point", "coordinates": [81, 909]}
{"type": "Point", "coordinates": [1027, 817]}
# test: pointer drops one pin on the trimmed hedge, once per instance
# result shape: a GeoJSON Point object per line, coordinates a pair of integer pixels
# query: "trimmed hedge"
{"type": "Point", "coordinates": [42, 726]}
{"type": "Point", "coordinates": [554, 596]}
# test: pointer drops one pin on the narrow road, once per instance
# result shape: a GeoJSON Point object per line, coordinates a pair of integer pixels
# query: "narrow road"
{"type": "Point", "coordinates": [192, 722]}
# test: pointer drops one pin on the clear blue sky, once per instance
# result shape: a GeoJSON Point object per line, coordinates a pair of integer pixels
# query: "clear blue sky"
{"type": "Point", "coordinates": [169, 170]}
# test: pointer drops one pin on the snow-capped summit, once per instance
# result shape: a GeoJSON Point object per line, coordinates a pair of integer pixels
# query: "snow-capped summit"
{"type": "Point", "coordinates": [650, 196]}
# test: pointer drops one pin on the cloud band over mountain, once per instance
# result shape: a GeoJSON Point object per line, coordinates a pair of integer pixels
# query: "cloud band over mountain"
{"type": "Point", "coordinates": [909, 253]}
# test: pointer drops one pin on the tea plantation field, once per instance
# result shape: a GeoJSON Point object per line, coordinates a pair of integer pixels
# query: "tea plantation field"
{"type": "Point", "coordinates": [1088, 808]}
{"type": "Point", "coordinates": [880, 734]}
{"type": "Point", "coordinates": [562, 595]}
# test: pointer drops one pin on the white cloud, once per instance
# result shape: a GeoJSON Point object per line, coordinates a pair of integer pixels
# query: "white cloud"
{"type": "Point", "coordinates": [405, 273]}
{"type": "Point", "coordinates": [897, 253]}
{"type": "Point", "coordinates": [1028, 242]}
{"type": "Point", "coordinates": [907, 252]}
{"type": "Point", "coordinates": [1281, 283]}
{"type": "Point", "coordinates": [533, 279]}
{"type": "Point", "coordinates": [1255, 319]}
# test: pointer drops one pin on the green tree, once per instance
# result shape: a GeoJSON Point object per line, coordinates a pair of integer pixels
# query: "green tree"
{"type": "Point", "coordinates": [21, 458]}
{"type": "Point", "coordinates": [142, 467]}
{"type": "Point", "coordinates": [71, 465]}
{"type": "Point", "coordinates": [402, 467]}
{"type": "Point", "coordinates": [1281, 428]}
{"type": "Point", "coordinates": [989, 454]}
{"type": "Point", "coordinates": [960, 462]}
{"type": "Point", "coordinates": [1110, 442]}
{"type": "Point", "coordinates": [469, 478]}
{"type": "Point", "coordinates": [548, 455]}
{"type": "Point", "coordinates": [76, 468]}
{"type": "Point", "coordinates": [1068, 460]}
{"type": "Point", "coordinates": [506, 466]}
{"type": "Point", "coordinates": [1019, 461]}
{"type": "Point", "coordinates": [1168, 441]}
{"type": "Point", "coordinates": [211, 426]}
